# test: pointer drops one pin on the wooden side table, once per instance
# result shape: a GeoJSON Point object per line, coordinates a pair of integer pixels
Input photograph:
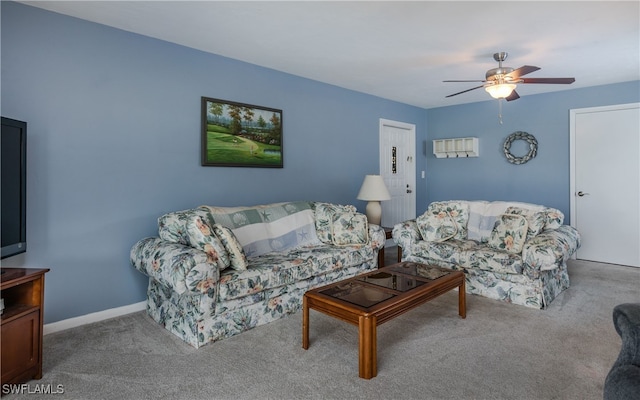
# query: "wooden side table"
{"type": "Point", "coordinates": [388, 235]}
{"type": "Point", "coordinates": [22, 290]}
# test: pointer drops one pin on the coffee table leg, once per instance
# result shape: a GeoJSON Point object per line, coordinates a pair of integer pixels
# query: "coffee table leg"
{"type": "Point", "coordinates": [305, 323]}
{"type": "Point", "coordinates": [368, 357]}
{"type": "Point", "coordinates": [462, 299]}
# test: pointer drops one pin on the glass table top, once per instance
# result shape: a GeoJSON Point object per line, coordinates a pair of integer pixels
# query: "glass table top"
{"type": "Point", "coordinates": [358, 294]}
{"type": "Point", "coordinates": [393, 281]}
{"type": "Point", "coordinates": [373, 288]}
{"type": "Point", "coordinates": [420, 270]}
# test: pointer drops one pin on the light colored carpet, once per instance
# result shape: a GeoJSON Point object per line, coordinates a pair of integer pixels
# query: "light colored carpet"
{"type": "Point", "coordinates": [500, 351]}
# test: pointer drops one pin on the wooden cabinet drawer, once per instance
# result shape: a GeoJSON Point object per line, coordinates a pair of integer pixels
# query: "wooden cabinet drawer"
{"type": "Point", "coordinates": [20, 346]}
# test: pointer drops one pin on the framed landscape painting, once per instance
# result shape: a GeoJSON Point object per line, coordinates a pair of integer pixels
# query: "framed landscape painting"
{"type": "Point", "coordinates": [240, 135]}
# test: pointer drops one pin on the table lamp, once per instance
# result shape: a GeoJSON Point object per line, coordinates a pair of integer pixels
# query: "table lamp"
{"type": "Point", "coordinates": [374, 191]}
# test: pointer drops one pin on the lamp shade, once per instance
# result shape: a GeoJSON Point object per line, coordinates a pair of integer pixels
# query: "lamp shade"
{"type": "Point", "coordinates": [501, 90]}
{"type": "Point", "coordinates": [373, 189]}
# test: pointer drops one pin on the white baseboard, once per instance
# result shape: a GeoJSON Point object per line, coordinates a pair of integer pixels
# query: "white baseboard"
{"type": "Point", "coordinates": [93, 317]}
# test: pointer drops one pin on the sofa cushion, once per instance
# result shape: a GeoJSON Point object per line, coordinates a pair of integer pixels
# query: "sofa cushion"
{"type": "Point", "coordinates": [488, 259]}
{"type": "Point", "coordinates": [436, 227]}
{"type": "Point", "coordinates": [274, 270]}
{"type": "Point", "coordinates": [452, 251]}
{"type": "Point", "coordinates": [236, 254]}
{"type": "Point", "coordinates": [536, 220]}
{"type": "Point", "coordinates": [325, 258]}
{"type": "Point", "coordinates": [265, 272]}
{"type": "Point", "coordinates": [457, 210]}
{"type": "Point", "coordinates": [348, 228]}
{"type": "Point", "coordinates": [509, 233]}
{"type": "Point", "coordinates": [324, 213]}
{"type": "Point", "coordinates": [268, 228]}
{"type": "Point", "coordinates": [201, 236]}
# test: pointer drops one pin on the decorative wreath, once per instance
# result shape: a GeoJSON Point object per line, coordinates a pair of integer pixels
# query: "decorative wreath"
{"type": "Point", "coordinates": [533, 147]}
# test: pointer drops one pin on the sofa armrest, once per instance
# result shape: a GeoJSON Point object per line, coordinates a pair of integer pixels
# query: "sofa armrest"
{"type": "Point", "coordinates": [179, 267]}
{"type": "Point", "coordinates": [550, 249]}
{"type": "Point", "coordinates": [377, 236]}
{"type": "Point", "coordinates": [405, 235]}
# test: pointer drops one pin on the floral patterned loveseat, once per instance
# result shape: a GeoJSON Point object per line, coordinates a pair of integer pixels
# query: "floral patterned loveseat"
{"type": "Point", "coordinates": [217, 271]}
{"type": "Point", "coordinates": [510, 251]}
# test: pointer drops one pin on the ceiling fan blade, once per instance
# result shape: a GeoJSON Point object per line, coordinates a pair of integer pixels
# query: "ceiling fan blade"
{"type": "Point", "coordinates": [525, 69]}
{"type": "Point", "coordinates": [548, 80]}
{"type": "Point", "coordinates": [466, 81]}
{"type": "Point", "coordinates": [465, 91]}
{"type": "Point", "coordinates": [513, 96]}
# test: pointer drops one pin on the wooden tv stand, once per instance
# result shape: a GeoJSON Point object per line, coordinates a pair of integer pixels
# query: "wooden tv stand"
{"type": "Point", "coordinates": [22, 290]}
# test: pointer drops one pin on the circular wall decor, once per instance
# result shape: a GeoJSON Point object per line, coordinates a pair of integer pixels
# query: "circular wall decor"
{"type": "Point", "coordinates": [533, 147]}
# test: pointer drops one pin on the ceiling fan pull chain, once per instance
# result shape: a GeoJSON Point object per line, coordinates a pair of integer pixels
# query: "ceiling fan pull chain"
{"type": "Point", "coordinates": [500, 111]}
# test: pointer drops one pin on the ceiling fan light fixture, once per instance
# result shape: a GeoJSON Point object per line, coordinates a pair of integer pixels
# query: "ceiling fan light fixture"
{"type": "Point", "coordinates": [501, 90]}
{"type": "Point", "coordinates": [501, 82]}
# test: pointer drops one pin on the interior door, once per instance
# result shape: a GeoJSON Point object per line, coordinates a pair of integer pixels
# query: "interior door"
{"type": "Point", "coordinates": [398, 169]}
{"type": "Point", "coordinates": [605, 205]}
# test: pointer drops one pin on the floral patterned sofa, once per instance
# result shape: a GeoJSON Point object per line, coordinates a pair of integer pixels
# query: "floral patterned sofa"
{"type": "Point", "coordinates": [217, 271]}
{"type": "Point", "coordinates": [510, 251]}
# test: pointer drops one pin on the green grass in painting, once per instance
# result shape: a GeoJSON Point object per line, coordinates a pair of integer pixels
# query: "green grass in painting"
{"type": "Point", "coordinates": [225, 148]}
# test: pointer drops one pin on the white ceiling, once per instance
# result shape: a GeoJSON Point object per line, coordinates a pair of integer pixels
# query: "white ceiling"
{"type": "Point", "coordinates": [396, 50]}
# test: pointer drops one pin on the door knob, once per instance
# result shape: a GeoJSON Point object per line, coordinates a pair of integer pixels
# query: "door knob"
{"type": "Point", "coordinates": [581, 193]}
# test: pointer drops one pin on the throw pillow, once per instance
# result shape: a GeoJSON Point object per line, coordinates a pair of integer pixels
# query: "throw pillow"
{"type": "Point", "coordinates": [535, 219]}
{"type": "Point", "coordinates": [437, 227]}
{"type": "Point", "coordinates": [172, 226]}
{"type": "Point", "coordinates": [509, 233]}
{"type": "Point", "coordinates": [457, 210]}
{"type": "Point", "coordinates": [555, 218]}
{"type": "Point", "coordinates": [232, 246]}
{"type": "Point", "coordinates": [324, 213]}
{"type": "Point", "coordinates": [348, 228]}
{"type": "Point", "coordinates": [201, 237]}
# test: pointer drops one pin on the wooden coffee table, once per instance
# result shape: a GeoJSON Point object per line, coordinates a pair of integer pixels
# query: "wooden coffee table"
{"type": "Point", "coordinates": [371, 299]}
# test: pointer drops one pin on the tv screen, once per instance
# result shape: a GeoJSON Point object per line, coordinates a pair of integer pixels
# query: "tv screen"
{"type": "Point", "coordinates": [13, 190]}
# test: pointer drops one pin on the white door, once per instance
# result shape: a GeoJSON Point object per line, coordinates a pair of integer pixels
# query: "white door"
{"type": "Point", "coordinates": [605, 203]}
{"type": "Point", "coordinates": [398, 169]}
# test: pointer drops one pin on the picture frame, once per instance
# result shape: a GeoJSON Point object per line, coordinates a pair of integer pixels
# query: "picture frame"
{"type": "Point", "coordinates": [240, 135]}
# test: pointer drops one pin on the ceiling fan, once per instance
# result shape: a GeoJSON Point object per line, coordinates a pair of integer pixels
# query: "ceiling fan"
{"type": "Point", "coordinates": [501, 82]}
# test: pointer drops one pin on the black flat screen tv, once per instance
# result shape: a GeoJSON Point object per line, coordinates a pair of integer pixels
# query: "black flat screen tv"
{"type": "Point", "coordinates": [13, 190]}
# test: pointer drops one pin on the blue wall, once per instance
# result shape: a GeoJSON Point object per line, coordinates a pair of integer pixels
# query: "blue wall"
{"type": "Point", "coordinates": [542, 180]}
{"type": "Point", "coordinates": [114, 142]}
